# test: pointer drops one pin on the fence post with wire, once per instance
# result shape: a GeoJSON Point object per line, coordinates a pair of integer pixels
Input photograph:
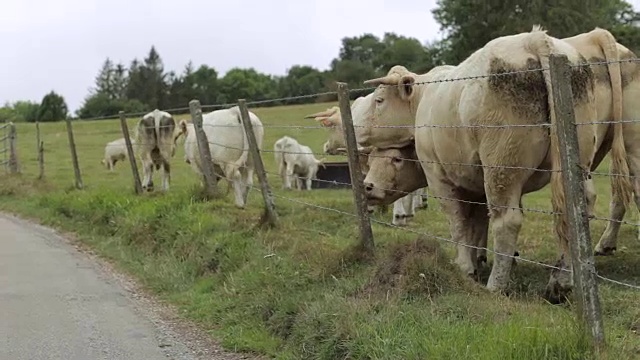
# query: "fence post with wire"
{"type": "Point", "coordinates": [271, 216]}
{"type": "Point", "coordinates": [74, 156]}
{"type": "Point", "coordinates": [137, 184]}
{"type": "Point", "coordinates": [584, 275]}
{"type": "Point", "coordinates": [357, 181]}
{"type": "Point", "coordinates": [12, 137]}
{"type": "Point", "coordinates": [210, 184]}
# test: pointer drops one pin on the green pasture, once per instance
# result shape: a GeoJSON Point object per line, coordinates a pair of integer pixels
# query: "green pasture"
{"type": "Point", "coordinates": [302, 290]}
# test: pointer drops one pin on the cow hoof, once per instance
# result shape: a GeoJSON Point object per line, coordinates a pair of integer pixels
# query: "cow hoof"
{"type": "Point", "coordinates": [607, 251]}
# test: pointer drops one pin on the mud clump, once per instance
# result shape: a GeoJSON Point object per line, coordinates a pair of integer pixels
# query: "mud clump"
{"type": "Point", "coordinates": [416, 269]}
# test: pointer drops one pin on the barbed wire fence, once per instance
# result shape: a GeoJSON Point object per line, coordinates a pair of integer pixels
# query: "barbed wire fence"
{"type": "Point", "coordinates": [9, 150]}
{"type": "Point", "coordinates": [583, 272]}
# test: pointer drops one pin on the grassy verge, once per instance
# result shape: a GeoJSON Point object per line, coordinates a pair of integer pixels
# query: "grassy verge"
{"type": "Point", "coordinates": [302, 290]}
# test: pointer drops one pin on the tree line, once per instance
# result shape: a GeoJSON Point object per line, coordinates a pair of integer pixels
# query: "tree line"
{"type": "Point", "coordinates": [467, 24]}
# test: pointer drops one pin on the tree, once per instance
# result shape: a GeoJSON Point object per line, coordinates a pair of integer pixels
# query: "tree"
{"type": "Point", "coordinates": [104, 81]}
{"type": "Point", "coordinates": [26, 111]}
{"type": "Point", "coordinates": [470, 24]}
{"type": "Point", "coordinates": [248, 84]}
{"type": "Point", "coordinates": [52, 108]}
{"type": "Point", "coordinates": [301, 80]}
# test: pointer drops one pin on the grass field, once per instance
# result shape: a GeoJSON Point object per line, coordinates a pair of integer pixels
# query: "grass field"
{"type": "Point", "coordinates": [301, 290]}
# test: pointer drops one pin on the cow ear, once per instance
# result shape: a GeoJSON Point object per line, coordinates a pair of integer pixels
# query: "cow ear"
{"type": "Point", "coordinates": [405, 86]}
{"type": "Point", "coordinates": [325, 121]}
{"type": "Point", "coordinates": [183, 126]}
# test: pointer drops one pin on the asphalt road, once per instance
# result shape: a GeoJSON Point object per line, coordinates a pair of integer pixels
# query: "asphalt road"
{"type": "Point", "coordinates": [55, 303]}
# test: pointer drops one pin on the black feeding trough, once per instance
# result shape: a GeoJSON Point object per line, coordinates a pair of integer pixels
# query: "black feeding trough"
{"type": "Point", "coordinates": [335, 176]}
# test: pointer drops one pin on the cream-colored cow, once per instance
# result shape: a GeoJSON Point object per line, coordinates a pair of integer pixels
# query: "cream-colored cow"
{"type": "Point", "coordinates": [437, 111]}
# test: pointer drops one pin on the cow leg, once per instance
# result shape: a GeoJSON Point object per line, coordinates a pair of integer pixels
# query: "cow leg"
{"type": "Point", "coordinates": [248, 182]}
{"type": "Point", "coordinates": [399, 215]}
{"type": "Point", "coordinates": [147, 169]}
{"type": "Point", "coordinates": [409, 209]}
{"type": "Point", "coordinates": [480, 231]}
{"type": "Point", "coordinates": [418, 199]}
{"type": "Point", "coordinates": [460, 223]}
{"type": "Point", "coordinates": [289, 176]}
{"type": "Point", "coordinates": [166, 175]}
{"type": "Point", "coordinates": [309, 180]}
{"type": "Point", "coordinates": [503, 196]}
{"type": "Point", "coordinates": [608, 241]}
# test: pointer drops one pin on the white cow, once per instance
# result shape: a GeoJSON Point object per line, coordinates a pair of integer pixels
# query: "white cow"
{"type": "Point", "coordinates": [437, 111]}
{"type": "Point", "coordinates": [155, 143]}
{"type": "Point", "coordinates": [617, 92]}
{"type": "Point", "coordinates": [295, 161]}
{"type": "Point", "coordinates": [228, 146]}
{"type": "Point", "coordinates": [114, 151]}
{"type": "Point", "coordinates": [405, 207]}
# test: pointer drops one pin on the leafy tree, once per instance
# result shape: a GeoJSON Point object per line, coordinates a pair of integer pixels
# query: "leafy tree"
{"type": "Point", "coordinates": [248, 84]}
{"type": "Point", "coordinates": [52, 108]}
{"type": "Point", "coordinates": [99, 105]}
{"type": "Point", "coordinates": [470, 24]}
{"type": "Point", "coordinates": [301, 80]}
{"type": "Point", "coordinates": [26, 111]}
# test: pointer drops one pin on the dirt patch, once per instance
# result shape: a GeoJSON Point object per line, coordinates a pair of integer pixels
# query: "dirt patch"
{"type": "Point", "coordinates": [417, 268]}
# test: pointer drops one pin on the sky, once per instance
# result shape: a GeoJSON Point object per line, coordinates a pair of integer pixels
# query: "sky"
{"type": "Point", "coordinates": [60, 44]}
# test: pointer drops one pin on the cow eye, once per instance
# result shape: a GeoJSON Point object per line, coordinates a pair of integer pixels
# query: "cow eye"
{"type": "Point", "coordinates": [379, 100]}
{"type": "Point", "coordinates": [396, 159]}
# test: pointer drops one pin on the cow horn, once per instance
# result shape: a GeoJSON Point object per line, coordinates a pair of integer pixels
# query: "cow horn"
{"type": "Point", "coordinates": [330, 111]}
{"type": "Point", "coordinates": [391, 79]}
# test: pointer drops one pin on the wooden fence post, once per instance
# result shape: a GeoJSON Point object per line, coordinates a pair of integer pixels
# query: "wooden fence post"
{"type": "Point", "coordinates": [39, 151]}
{"type": "Point", "coordinates": [74, 156]}
{"type": "Point", "coordinates": [270, 211]}
{"type": "Point", "coordinates": [137, 185]}
{"type": "Point", "coordinates": [210, 183]}
{"type": "Point", "coordinates": [357, 180]}
{"type": "Point", "coordinates": [584, 275]}
{"type": "Point", "coordinates": [41, 160]}
{"type": "Point", "coordinates": [13, 149]}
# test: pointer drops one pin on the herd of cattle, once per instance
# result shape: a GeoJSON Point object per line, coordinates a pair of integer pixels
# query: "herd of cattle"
{"type": "Point", "coordinates": [480, 143]}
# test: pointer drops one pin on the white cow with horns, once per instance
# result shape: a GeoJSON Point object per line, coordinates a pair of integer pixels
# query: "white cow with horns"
{"type": "Point", "coordinates": [228, 146]}
{"type": "Point", "coordinates": [404, 207]}
{"type": "Point", "coordinates": [472, 122]}
{"type": "Point", "coordinates": [295, 162]}
{"type": "Point", "coordinates": [155, 144]}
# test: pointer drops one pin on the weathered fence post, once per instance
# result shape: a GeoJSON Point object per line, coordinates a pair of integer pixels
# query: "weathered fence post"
{"type": "Point", "coordinates": [13, 149]}
{"type": "Point", "coordinates": [137, 185]}
{"type": "Point", "coordinates": [584, 275]}
{"type": "Point", "coordinates": [210, 183]}
{"type": "Point", "coordinates": [41, 160]}
{"type": "Point", "coordinates": [270, 208]}
{"type": "Point", "coordinates": [39, 151]}
{"type": "Point", "coordinates": [357, 181]}
{"type": "Point", "coordinates": [74, 156]}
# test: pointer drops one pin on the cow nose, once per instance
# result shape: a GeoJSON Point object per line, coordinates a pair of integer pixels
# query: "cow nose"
{"type": "Point", "coordinates": [368, 187]}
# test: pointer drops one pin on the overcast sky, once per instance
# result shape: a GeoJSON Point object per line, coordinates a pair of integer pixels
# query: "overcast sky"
{"type": "Point", "coordinates": [60, 44]}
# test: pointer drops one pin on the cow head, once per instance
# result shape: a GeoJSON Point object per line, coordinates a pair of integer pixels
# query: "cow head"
{"type": "Point", "coordinates": [393, 173]}
{"type": "Point", "coordinates": [331, 119]}
{"type": "Point", "coordinates": [391, 104]}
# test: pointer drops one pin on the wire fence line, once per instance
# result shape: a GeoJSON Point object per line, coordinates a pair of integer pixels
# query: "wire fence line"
{"type": "Point", "coordinates": [582, 269]}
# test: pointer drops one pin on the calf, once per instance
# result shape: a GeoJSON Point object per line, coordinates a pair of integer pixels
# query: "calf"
{"type": "Point", "coordinates": [295, 161]}
{"type": "Point", "coordinates": [114, 151]}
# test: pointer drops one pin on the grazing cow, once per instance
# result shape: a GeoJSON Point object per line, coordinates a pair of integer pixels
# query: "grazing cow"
{"type": "Point", "coordinates": [114, 151]}
{"type": "Point", "coordinates": [295, 161]}
{"type": "Point", "coordinates": [617, 90]}
{"type": "Point", "coordinates": [404, 208]}
{"type": "Point", "coordinates": [229, 148]}
{"type": "Point", "coordinates": [449, 120]}
{"type": "Point", "coordinates": [192, 154]}
{"type": "Point", "coordinates": [155, 142]}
